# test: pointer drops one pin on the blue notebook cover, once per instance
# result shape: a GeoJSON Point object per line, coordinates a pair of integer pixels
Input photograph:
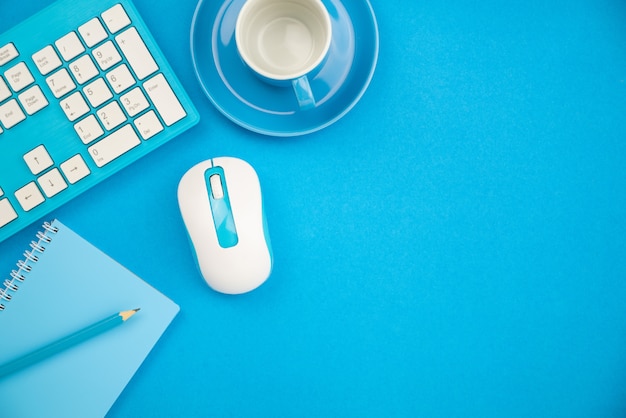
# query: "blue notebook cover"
{"type": "Point", "coordinates": [72, 284]}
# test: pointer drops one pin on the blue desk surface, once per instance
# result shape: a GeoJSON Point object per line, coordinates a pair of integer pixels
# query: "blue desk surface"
{"type": "Point", "coordinates": [454, 246]}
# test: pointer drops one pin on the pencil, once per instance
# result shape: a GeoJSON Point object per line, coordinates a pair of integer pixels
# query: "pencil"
{"type": "Point", "coordinates": [66, 342]}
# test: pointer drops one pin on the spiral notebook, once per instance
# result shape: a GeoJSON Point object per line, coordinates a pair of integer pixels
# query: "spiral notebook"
{"type": "Point", "coordinates": [63, 284]}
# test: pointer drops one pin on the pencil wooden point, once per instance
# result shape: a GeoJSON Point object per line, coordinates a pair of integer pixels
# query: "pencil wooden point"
{"type": "Point", "coordinates": [127, 314]}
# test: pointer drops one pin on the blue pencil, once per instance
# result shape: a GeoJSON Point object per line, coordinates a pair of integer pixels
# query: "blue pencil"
{"type": "Point", "coordinates": [65, 342]}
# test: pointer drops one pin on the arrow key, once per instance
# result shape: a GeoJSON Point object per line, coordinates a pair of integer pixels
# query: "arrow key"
{"type": "Point", "coordinates": [38, 159]}
{"type": "Point", "coordinates": [29, 196]}
{"type": "Point", "coordinates": [52, 182]}
{"type": "Point", "coordinates": [75, 169]}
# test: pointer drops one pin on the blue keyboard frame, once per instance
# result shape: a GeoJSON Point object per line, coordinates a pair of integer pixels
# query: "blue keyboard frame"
{"type": "Point", "coordinates": [51, 127]}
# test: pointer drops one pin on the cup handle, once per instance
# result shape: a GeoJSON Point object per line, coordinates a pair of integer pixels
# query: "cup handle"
{"type": "Point", "coordinates": [303, 92]}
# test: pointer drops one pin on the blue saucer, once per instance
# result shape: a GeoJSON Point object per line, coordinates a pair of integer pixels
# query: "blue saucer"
{"type": "Point", "coordinates": [246, 100]}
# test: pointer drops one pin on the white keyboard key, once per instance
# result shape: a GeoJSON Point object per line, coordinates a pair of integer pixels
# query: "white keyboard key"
{"type": "Point", "coordinates": [106, 55]}
{"type": "Point", "coordinates": [74, 106]}
{"type": "Point", "coordinates": [88, 129]}
{"type": "Point", "coordinates": [75, 169]}
{"type": "Point", "coordinates": [7, 53]}
{"type": "Point", "coordinates": [7, 213]}
{"type": "Point", "coordinates": [134, 102]}
{"type": "Point", "coordinates": [38, 159]}
{"type": "Point", "coordinates": [97, 92]}
{"type": "Point", "coordinates": [52, 182]}
{"type": "Point", "coordinates": [116, 18]}
{"type": "Point", "coordinates": [164, 99]}
{"type": "Point", "coordinates": [148, 125]}
{"type": "Point", "coordinates": [19, 77]}
{"type": "Point", "coordinates": [11, 114]}
{"type": "Point", "coordinates": [60, 83]}
{"type": "Point", "coordinates": [92, 32]}
{"type": "Point", "coordinates": [46, 60]}
{"type": "Point", "coordinates": [120, 78]}
{"type": "Point", "coordinates": [111, 116]}
{"type": "Point", "coordinates": [4, 90]}
{"type": "Point", "coordinates": [29, 196]}
{"type": "Point", "coordinates": [70, 46]}
{"type": "Point", "coordinates": [113, 146]}
{"type": "Point", "coordinates": [83, 69]}
{"type": "Point", "coordinates": [33, 100]}
{"type": "Point", "coordinates": [137, 54]}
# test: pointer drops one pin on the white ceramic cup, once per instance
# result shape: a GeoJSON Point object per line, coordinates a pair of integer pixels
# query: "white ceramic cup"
{"type": "Point", "coordinates": [284, 42]}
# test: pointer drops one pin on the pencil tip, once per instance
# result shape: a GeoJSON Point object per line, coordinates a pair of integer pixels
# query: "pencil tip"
{"type": "Point", "coordinates": [127, 314]}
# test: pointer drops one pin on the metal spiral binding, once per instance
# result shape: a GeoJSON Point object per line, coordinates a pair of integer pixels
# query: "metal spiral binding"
{"type": "Point", "coordinates": [11, 285]}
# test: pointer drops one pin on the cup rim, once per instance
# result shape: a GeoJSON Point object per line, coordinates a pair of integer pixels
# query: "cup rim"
{"type": "Point", "coordinates": [293, 76]}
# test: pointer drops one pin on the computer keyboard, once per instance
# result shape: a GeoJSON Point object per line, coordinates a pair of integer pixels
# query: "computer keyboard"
{"type": "Point", "coordinates": [84, 92]}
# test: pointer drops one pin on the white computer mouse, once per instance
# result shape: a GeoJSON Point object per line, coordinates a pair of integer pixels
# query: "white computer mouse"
{"type": "Point", "coordinates": [222, 207]}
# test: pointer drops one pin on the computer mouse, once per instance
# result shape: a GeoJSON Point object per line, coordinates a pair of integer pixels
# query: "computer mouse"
{"type": "Point", "coordinates": [221, 205]}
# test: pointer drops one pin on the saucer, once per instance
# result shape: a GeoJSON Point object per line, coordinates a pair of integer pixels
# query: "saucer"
{"type": "Point", "coordinates": [271, 110]}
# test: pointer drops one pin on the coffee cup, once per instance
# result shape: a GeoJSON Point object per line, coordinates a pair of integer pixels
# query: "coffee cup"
{"type": "Point", "coordinates": [285, 42]}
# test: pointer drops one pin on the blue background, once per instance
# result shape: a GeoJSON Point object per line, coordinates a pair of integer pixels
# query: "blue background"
{"type": "Point", "coordinates": [454, 246]}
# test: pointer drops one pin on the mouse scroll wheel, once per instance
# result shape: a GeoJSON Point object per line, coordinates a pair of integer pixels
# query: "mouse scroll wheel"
{"type": "Point", "coordinates": [216, 186]}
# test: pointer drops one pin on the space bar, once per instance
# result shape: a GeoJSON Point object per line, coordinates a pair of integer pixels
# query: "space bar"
{"type": "Point", "coordinates": [114, 145]}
